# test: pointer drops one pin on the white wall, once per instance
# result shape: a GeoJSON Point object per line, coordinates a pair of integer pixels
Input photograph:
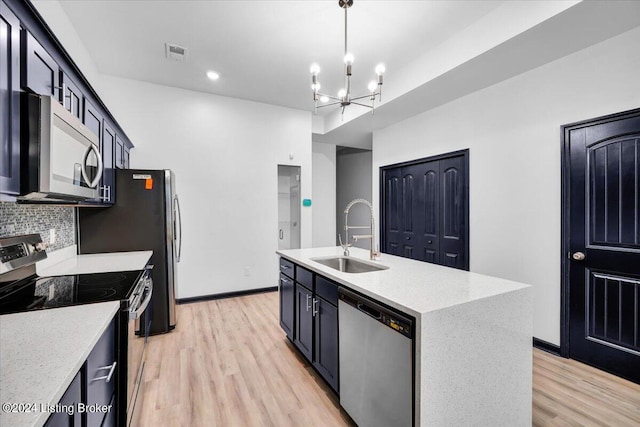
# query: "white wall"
{"type": "Point", "coordinates": [324, 194]}
{"type": "Point", "coordinates": [225, 153]}
{"type": "Point", "coordinates": [353, 172]}
{"type": "Point", "coordinates": [513, 132]}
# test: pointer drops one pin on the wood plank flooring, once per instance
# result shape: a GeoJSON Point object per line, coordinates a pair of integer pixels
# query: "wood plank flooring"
{"type": "Point", "coordinates": [228, 363]}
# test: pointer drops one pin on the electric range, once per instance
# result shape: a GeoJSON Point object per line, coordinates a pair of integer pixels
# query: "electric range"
{"type": "Point", "coordinates": [34, 293]}
{"type": "Point", "coordinates": [21, 289]}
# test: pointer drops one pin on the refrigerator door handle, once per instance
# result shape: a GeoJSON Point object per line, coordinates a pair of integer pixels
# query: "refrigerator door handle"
{"type": "Point", "coordinates": [177, 219]}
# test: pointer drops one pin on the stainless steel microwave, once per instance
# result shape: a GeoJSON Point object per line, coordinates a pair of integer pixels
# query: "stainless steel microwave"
{"type": "Point", "coordinates": [63, 161]}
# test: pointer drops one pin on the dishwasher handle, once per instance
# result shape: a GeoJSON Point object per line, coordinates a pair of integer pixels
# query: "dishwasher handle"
{"type": "Point", "coordinates": [369, 310]}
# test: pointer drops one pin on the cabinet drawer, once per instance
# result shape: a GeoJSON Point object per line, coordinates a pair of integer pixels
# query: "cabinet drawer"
{"type": "Point", "coordinates": [304, 277]}
{"type": "Point", "coordinates": [327, 290]}
{"type": "Point", "coordinates": [286, 267]}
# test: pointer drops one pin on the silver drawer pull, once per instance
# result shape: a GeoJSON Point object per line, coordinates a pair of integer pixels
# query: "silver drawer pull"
{"type": "Point", "coordinates": [308, 305]}
{"type": "Point", "coordinates": [107, 378]}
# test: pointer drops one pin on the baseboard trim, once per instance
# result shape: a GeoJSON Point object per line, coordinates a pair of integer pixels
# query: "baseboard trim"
{"type": "Point", "coordinates": [546, 346]}
{"type": "Point", "coordinates": [226, 295]}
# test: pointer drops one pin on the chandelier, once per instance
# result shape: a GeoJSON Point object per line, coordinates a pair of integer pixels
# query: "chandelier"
{"type": "Point", "coordinates": [344, 97]}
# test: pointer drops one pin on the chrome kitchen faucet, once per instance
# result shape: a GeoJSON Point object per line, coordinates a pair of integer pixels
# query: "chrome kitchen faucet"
{"type": "Point", "coordinates": [373, 254]}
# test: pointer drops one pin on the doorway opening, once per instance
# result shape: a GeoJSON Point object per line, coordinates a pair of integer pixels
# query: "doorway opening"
{"type": "Point", "coordinates": [288, 207]}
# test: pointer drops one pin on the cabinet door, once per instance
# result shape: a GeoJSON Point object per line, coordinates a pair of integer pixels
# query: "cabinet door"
{"type": "Point", "coordinates": [9, 102]}
{"type": "Point", "coordinates": [325, 358]}
{"type": "Point", "coordinates": [119, 152]}
{"type": "Point", "coordinates": [92, 119]}
{"type": "Point", "coordinates": [41, 74]}
{"type": "Point", "coordinates": [70, 399]}
{"type": "Point", "coordinates": [72, 100]}
{"type": "Point", "coordinates": [101, 374]}
{"type": "Point", "coordinates": [304, 321]}
{"type": "Point", "coordinates": [287, 299]}
{"type": "Point", "coordinates": [108, 150]}
{"type": "Point", "coordinates": [126, 163]}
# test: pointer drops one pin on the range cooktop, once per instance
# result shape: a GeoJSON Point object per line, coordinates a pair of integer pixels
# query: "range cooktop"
{"type": "Point", "coordinates": [50, 292]}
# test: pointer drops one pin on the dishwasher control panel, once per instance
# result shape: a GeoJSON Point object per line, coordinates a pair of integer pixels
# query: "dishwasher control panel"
{"type": "Point", "coordinates": [387, 316]}
{"type": "Point", "coordinates": [397, 324]}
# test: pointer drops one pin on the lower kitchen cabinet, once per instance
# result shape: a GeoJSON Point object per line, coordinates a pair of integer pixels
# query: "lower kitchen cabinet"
{"type": "Point", "coordinates": [92, 390]}
{"type": "Point", "coordinates": [312, 315]}
{"type": "Point", "coordinates": [303, 338]}
{"type": "Point", "coordinates": [287, 300]}
{"type": "Point", "coordinates": [325, 356]}
{"type": "Point", "coordinates": [101, 375]}
{"type": "Point", "coordinates": [67, 414]}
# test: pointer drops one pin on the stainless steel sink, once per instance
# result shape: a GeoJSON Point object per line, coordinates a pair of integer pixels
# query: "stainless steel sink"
{"type": "Point", "coordinates": [349, 265]}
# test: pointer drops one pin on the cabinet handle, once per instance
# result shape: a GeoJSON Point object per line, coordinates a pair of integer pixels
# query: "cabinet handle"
{"type": "Point", "coordinates": [315, 306]}
{"type": "Point", "coordinates": [308, 305]}
{"type": "Point", "coordinates": [106, 191]}
{"type": "Point", "coordinates": [107, 378]}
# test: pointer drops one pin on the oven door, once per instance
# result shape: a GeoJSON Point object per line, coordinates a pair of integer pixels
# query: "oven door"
{"type": "Point", "coordinates": [139, 315]}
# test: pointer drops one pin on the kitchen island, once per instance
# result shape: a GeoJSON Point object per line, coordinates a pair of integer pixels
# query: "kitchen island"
{"type": "Point", "coordinates": [473, 335]}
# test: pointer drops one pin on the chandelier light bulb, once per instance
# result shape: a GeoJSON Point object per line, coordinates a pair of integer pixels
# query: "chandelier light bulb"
{"type": "Point", "coordinates": [315, 87]}
{"type": "Point", "coordinates": [380, 69]}
{"type": "Point", "coordinates": [348, 58]}
{"type": "Point", "coordinates": [342, 93]}
{"type": "Point", "coordinates": [372, 86]}
{"type": "Point", "coordinates": [315, 69]}
{"type": "Point", "coordinates": [324, 99]}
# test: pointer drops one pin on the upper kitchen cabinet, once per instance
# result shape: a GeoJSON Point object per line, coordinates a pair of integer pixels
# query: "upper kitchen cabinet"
{"type": "Point", "coordinates": [123, 148]}
{"type": "Point", "coordinates": [94, 120]}
{"type": "Point", "coordinates": [9, 102]}
{"type": "Point", "coordinates": [72, 100]}
{"type": "Point", "coordinates": [40, 72]}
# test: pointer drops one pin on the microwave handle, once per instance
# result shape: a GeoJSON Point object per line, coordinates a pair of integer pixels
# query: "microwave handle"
{"type": "Point", "coordinates": [96, 180]}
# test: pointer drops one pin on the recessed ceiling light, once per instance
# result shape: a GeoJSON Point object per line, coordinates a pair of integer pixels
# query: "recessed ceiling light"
{"type": "Point", "coordinates": [213, 75]}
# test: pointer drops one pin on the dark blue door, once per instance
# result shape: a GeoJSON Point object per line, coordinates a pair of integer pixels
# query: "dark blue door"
{"type": "Point", "coordinates": [425, 211]}
{"type": "Point", "coordinates": [602, 242]}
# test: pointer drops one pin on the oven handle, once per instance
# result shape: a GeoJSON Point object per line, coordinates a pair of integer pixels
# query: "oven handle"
{"type": "Point", "coordinates": [136, 312]}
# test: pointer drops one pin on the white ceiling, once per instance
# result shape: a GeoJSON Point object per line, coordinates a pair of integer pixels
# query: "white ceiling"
{"type": "Point", "coordinates": [263, 49]}
{"type": "Point", "coordinates": [435, 51]}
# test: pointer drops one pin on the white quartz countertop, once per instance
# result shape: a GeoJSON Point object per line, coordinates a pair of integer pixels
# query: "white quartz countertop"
{"type": "Point", "coordinates": [98, 263]}
{"type": "Point", "coordinates": [41, 352]}
{"type": "Point", "coordinates": [411, 286]}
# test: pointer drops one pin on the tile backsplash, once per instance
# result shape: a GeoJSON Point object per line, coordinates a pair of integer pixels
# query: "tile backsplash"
{"type": "Point", "coordinates": [16, 219]}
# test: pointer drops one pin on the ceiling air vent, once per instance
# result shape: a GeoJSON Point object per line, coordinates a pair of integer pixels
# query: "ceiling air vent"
{"type": "Point", "coordinates": [175, 52]}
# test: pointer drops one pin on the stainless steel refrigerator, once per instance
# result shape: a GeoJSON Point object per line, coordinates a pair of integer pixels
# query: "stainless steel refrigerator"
{"type": "Point", "coordinates": [146, 216]}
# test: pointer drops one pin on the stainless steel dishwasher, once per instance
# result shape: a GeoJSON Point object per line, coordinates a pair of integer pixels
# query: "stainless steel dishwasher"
{"type": "Point", "coordinates": [376, 362]}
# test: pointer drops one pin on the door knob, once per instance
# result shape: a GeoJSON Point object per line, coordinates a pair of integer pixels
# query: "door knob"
{"type": "Point", "coordinates": [578, 256]}
{"type": "Point", "coordinates": [408, 238]}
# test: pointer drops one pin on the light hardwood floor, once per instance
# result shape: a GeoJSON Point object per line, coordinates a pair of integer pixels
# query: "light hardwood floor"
{"type": "Point", "coordinates": [228, 363]}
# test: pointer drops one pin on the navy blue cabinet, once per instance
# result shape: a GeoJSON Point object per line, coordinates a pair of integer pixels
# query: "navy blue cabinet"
{"type": "Point", "coordinates": [309, 316]}
{"type": "Point", "coordinates": [325, 355]}
{"type": "Point", "coordinates": [40, 72]}
{"type": "Point", "coordinates": [93, 386]}
{"type": "Point", "coordinates": [72, 96]}
{"type": "Point", "coordinates": [93, 119]}
{"type": "Point", "coordinates": [122, 153]}
{"type": "Point", "coordinates": [68, 416]}
{"type": "Point", "coordinates": [303, 338]}
{"type": "Point", "coordinates": [9, 102]}
{"type": "Point", "coordinates": [101, 375]}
